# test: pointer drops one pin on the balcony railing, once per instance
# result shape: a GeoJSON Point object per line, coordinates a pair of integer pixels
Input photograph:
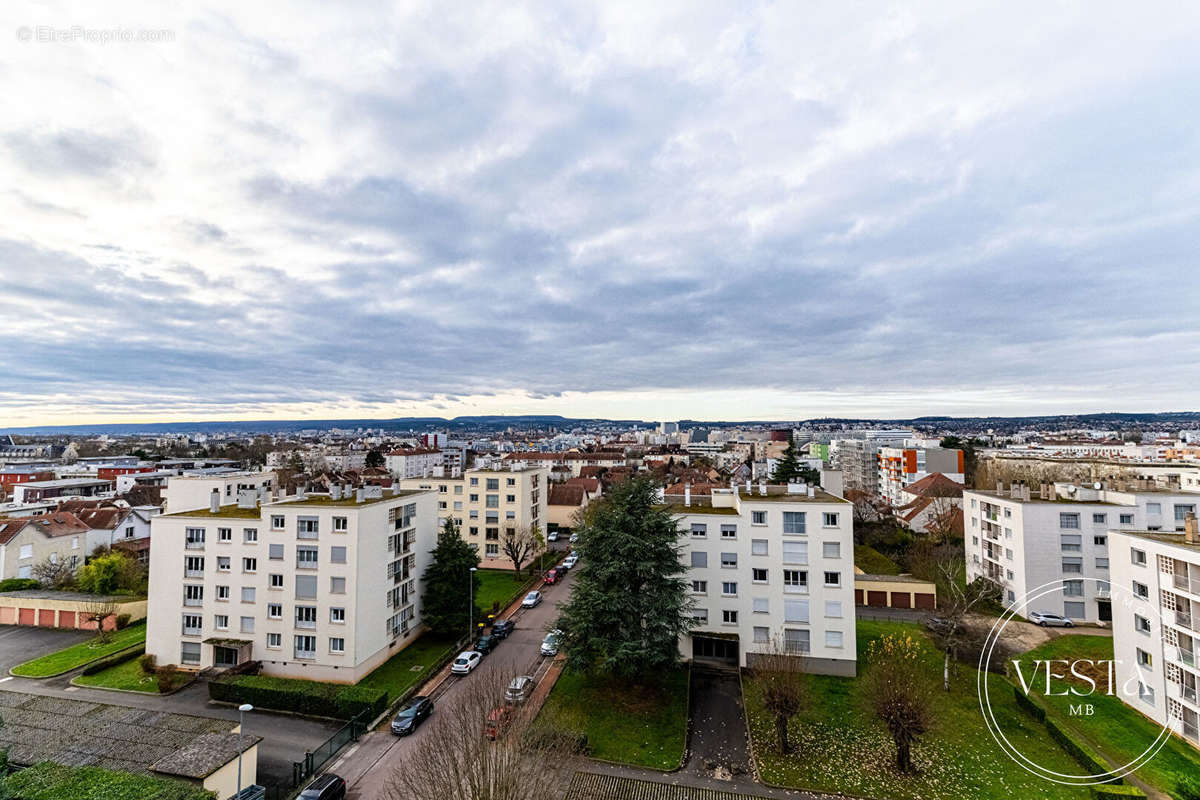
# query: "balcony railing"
{"type": "Point", "coordinates": [1187, 657]}
{"type": "Point", "coordinates": [194, 544]}
{"type": "Point", "coordinates": [306, 655]}
{"type": "Point", "coordinates": [191, 631]}
{"type": "Point", "coordinates": [1182, 582]}
{"type": "Point", "coordinates": [306, 624]}
{"type": "Point", "coordinates": [193, 601]}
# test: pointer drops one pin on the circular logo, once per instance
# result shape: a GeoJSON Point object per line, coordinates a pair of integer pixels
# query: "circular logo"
{"type": "Point", "coordinates": [1031, 675]}
{"type": "Point", "coordinates": [24, 34]}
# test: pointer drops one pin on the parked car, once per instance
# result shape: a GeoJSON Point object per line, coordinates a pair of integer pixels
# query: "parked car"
{"type": "Point", "coordinates": [325, 787]}
{"type": "Point", "coordinates": [570, 561]}
{"type": "Point", "coordinates": [501, 628]}
{"type": "Point", "coordinates": [519, 689]}
{"type": "Point", "coordinates": [531, 599]}
{"type": "Point", "coordinates": [552, 536]}
{"type": "Point", "coordinates": [466, 661]}
{"type": "Point", "coordinates": [486, 644]}
{"type": "Point", "coordinates": [574, 538]}
{"type": "Point", "coordinates": [550, 643]}
{"type": "Point", "coordinates": [411, 714]}
{"type": "Point", "coordinates": [1046, 619]}
{"type": "Point", "coordinates": [498, 720]}
{"type": "Point", "coordinates": [551, 576]}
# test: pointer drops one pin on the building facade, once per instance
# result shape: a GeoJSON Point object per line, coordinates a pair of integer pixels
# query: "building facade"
{"type": "Point", "coordinates": [900, 467]}
{"type": "Point", "coordinates": [415, 462]}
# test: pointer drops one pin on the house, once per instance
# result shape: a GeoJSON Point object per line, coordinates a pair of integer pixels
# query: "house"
{"type": "Point", "coordinates": [33, 491]}
{"type": "Point", "coordinates": [932, 504]}
{"type": "Point", "coordinates": [27, 541]}
{"type": "Point", "coordinates": [564, 503]}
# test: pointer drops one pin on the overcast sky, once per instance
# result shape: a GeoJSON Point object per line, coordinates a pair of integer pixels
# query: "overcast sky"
{"type": "Point", "coordinates": [651, 210]}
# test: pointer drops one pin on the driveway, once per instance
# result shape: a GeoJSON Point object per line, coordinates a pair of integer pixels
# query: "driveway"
{"type": "Point", "coordinates": [718, 747]}
{"type": "Point", "coordinates": [19, 643]}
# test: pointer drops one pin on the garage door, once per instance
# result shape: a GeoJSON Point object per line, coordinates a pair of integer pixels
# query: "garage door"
{"type": "Point", "coordinates": [858, 597]}
{"type": "Point", "coordinates": [66, 619]}
{"type": "Point", "coordinates": [925, 600]}
{"type": "Point", "coordinates": [26, 616]}
{"type": "Point", "coordinates": [46, 617]}
{"type": "Point", "coordinates": [877, 599]}
{"type": "Point", "coordinates": [901, 600]}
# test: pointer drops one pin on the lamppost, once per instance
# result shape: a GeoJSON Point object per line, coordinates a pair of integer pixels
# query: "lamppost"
{"type": "Point", "coordinates": [242, 709]}
{"type": "Point", "coordinates": [470, 605]}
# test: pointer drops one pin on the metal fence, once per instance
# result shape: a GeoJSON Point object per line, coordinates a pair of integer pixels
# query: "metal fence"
{"type": "Point", "coordinates": [322, 754]}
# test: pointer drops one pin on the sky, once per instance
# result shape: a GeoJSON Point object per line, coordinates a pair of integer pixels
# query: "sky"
{"type": "Point", "coordinates": [631, 210]}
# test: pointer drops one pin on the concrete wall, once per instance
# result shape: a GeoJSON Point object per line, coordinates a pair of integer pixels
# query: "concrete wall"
{"type": "Point", "coordinates": [224, 781]}
{"type": "Point", "coordinates": [58, 613]}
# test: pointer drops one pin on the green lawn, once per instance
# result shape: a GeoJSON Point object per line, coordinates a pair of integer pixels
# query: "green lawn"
{"type": "Point", "coordinates": [410, 665]}
{"type": "Point", "coordinates": [873, 562]}
{"type": "Point", "coordinates": [80, 654]}
{"type": "Point", "coordinates": [47, 781]}
{"type": "Point", "coordinates": [127, 675]}
{"type": "Point", "coordinates": [644, 727]}
{"type": "Point", "coordinates": [497, 586]}
{"type": "Point", "coordinates": [1115, 730]}
{"type": "Point", "coordinates": [841, 747]}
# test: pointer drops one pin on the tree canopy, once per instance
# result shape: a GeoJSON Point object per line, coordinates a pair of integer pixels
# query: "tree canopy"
{"type": "Point", "coordinates": [446, 598]}
{"type": "Point", "coordinates": [789, 469]}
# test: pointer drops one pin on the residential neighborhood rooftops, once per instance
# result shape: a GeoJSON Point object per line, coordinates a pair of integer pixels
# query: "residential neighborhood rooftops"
{"type": "Point", "coordinates": [350, 500]}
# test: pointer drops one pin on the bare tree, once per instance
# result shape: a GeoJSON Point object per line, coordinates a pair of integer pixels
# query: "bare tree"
{"type": "Point", "coordinates": [781, 674]}
{"type": "Point", "coordinates": [951, 628]}
{"type": "Point", "coordinates": [519, 544]}
{"type": "Point", "coordinates": [54, 574]}
{"type": "Point", "coordinates": [477, 747]}
{"type": "Point", "coordinates": [899, 691]}
{"type": "Point", "coordinates": [99, 611]}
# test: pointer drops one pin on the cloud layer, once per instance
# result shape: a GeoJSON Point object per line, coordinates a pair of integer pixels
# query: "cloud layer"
{"type": "Point", "coordinates": [696, 210]}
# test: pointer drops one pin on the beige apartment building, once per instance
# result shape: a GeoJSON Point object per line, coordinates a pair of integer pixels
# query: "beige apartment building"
{"type": "Point", "coordinates": [486, 504]}
{"type": "Point", "coordinates": [319, 586]}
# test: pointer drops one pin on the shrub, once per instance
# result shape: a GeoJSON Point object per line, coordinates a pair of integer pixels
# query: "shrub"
{"type": "Point", "coordinates": [116, 658]}
{"type": "Point", "coordinates": [1112, 792]}
{"type": "Point", "coordinates": [166, 677]}
{"type": "Point", "coordinates": [1081, 752]}
{"type": "Point", "coordinates": [1028, 705]}
{"type": "Point", "coordinates": [310, 698]}
{"type": "Point", "coordinates": [148, 663]}
{"type": "Point", "coordinates": [1187, 787]}
{"type": "Point", "coordinates": [18, 584]}
{"type": "Point", "coordinates": [123, 621]}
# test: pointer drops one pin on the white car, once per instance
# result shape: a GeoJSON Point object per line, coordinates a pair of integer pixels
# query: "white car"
{"type": "Point", "coordinates": [550, 643]}
{"type": "Point", "coordinates": [570, 561]}
{"type": "Point", "coordinates": [1046, 619]}
{"type": "Point", "coordinates": [466, 661]}
{"type": "Point", "coordinates": [574, 538]}
{"type": "Point", "coordinates": [552, 536]}
{"type": "Point", "coordinates": [532, 599]}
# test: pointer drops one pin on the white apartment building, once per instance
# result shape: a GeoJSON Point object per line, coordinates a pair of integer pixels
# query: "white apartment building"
{"type": "Point", "coordinates": [195, 491]}
{"type": "Point", "coordinates": [856, 458]}
{"type": "Point", "coordinates": [486, 503]}
{"type": "Point", "coordinates": [770, 566]}
{"type": "Point", "coordinates": [323, 586]}
{"type": "Point", "coordinates": [900, 467]}
{"type": "Point", "coordinates": [415, 462]}
{"type": "Point", "coordinates": [1156, 637]}
{"type": "Point", "coordinates": [1024, 539]}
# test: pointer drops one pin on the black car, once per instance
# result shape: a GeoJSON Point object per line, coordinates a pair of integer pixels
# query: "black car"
{"type": "Point", "coordinates": [501, 628]}
{"type": "Point", "coordinates": [486, 643]}
{"type": "Point", "coordinates": [326, 787]}
{"type": "Point", "coordinates": [411, 714]}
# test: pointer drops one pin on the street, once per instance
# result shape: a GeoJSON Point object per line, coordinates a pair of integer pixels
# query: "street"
{"type": "Point", "coordinates": [368, 765]}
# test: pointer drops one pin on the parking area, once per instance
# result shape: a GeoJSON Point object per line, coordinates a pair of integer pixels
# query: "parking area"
{"type": "Point", "coordinates": [19, 643]}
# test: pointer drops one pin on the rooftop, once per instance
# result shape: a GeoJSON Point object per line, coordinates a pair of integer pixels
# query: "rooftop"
{"type": "Point", "coordinates": [326, 500]}
{"type": "Point", "coordinates": [231, 511]}
{"type": "Point", "coordinates": [1164, 537]}
{"type": "Point", "coordinates": [204, 755]}
{"type": "Point", "coordinates": [1033, 498]}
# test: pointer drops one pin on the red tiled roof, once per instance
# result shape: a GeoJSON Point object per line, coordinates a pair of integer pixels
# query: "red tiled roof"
{"type": "Point", "coordinates": [935, 485]}
{"type": "Point", "coordinates": [414, 451]}
{"type": "Point", "coordinates": [566, 495]}
{"type": "Point", "coordinates": [697, 488]}
{"type": "Point", "coordinates": [102, 518]}
{"type": "Point", "coordinates": [590, 485]}
{"type": "Point", "coordinates": [11, 527]}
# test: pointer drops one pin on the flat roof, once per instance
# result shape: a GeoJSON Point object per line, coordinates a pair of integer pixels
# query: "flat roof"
{"type": "Point", "coordinates": [1164, 537]}
{"type": "Point", "coordinates": [326, 500]}
{"type": "Point", "coordinates": [1033, 498]}
{"type": "Point", "coordinates": [61, 482]}
{"type": "Point", "coordinates": [231, 511]}
{"type": "Point", "coordinates": [782, 496]}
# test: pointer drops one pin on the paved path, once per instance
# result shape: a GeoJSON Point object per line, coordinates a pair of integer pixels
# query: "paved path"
{"type": "Point", "coordinates": [718, 746]}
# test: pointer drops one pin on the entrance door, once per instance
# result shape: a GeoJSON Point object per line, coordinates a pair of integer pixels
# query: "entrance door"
{"type": "Point", "coordinates": [1104, 609]}
{"type": "Point", "coordinates": [712, 650]}
{"type": "Point", "coordinates": [225, 656]}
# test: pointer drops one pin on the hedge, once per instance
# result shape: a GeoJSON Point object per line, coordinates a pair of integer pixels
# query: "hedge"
{"type": "Point", "coordinates": [1087, 758]}
{"type": "Point", "coordinates": [18, 584]}
{"type": "Point", "coordinates": [1111, 792]}
{"type": "Point", "coordinates": [47, 781]}
{"type": "Point", "coordinates": [113, 660]}
{"type": "Point", "coordinates": [310, 698]}
{"type": "Point", "coordinates": [1024, 701]}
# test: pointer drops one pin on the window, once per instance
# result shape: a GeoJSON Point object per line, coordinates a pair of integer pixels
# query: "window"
{"type": "Point", "coordinates": [831, 549]}
{"type": "Point", "coordinates": [191, 624]}
{"type": "Point", "coordinates": [796, 641]}
{"type": "Point", "coordinates": [277, 522]}
{"type": "Point", "coordinates": [795, 552]}
{"type": "Point", "coordinates": [306, 527]}
{"type": "Point", "coordinates": [223, 564]}
{"type": "Point", "coordinates": [474, 481]}
{"type": "Point", "coordinates": [758, 575]}
{"type": "Point", "coordinates": [833, 609]}
{"type": "Point", "coordinates": [833, 638]}
{"type": "Point", "coordinates": [1153, 508]}
{"type": "Point", "coordinates": [337, 615]}
{"type": "Point", "coordinates": [1070, 542]}
{"type": "Point", "coordinates": [699, 530]}
{"type": "Point", "coordinates": [337, 585]}
{"type": "Point", "coordinates": [1143, 658]}
{"type": "Point", "coordinates": [1099, 519]}
{"type": "Point", "coordinates": [1072, 564]}
{"type": "Point", "coordinates": [794, 522]}
{"type": "Point", "coordinates": [1141, 624]}
{"type": "Point", "coordinates": [306, 558]}
{"type": "Point", "coordinates": [1141, 590]}
{"type": "Point", "coordinates": [758, 518]}
{"type": "Point", "coordinates": [493, 484]}
{"type": "Point", "coordinates": [833, 579]}
{"type": "Point", "coordinates": [249, 565]}
{"type": "Point", "coordinates": [306, 616]}
{"type": "Point", "coordinates": [221, 622]}
{"type": "Point", "coordinates": [189, 652]}
{"type": "Point", "coordinates": [1068, 520]}
{"type": "Point", "coordinates": [1008, 553]}
{"type": "Point", "coordinates": [1182, 510]}
{"type": "Point", "coordinates": [341, 525]}
{"type": "Point", "coordinates": [510, 498]}
{"type": "Point", "coordinates": [729, 588]}
{"type": "Point", "coordinates": [337, 644]}
{"type": "Point", "coordinates": [758, 547]}
{"type": "Point", "coordinates": [275, 551]}
{"type": "Point", "coordinates": [223, 593]}
{"type": "Point", "coordinates": [274, 640]}
{"type": "Point", "coordinates": [225, 535]}
{"type": "Point", "coordinates": [193, 566]}
{"type": "Point", "coordinates": [1073, 610]}
{"type": "Point", "coordinates": [700, 615]}
{"type": "Point", "coordinates": [193, 540]}
{"type": "Point", "coordinates": [1145, 693]}
{"type": "Point", "coordinates": [1101, 563]}
{"type": "Point", "coordinates": [274, 611]}
{"type": "Point", "coordinates": [728, 560]}
{"type": "Point", "coordinates": [492, 501]}
{"type": "Point", "coordinates": [1100, 541]}
{"type": "Point", "coordinates": [761, 605]}
{"type": "Point", "coordinates": [337, 555]}
{"type": "Point", "coordinates": [194, 595]}
{"type": "Point", "coordinates": [728, 616]}
{"type": "Point", "coordinates": [699, 587]}
{"type": "Point", "coordinates": [306, 586]}
{"type": "Point", "coordinates": [247, 625]}
{"type": "Point", "coordinates": [795, 611]}
{"type": "Point", "coordinates": [1138, 557]}
{"type": "Point", "coordinates": [1008, 512]}
{"type": "Point", "coordinates": [248, 593]}
{"type": "Point", "coordinates": [729, 531]}
{"type": "Point", "coordinates": [305, 647]}
{"type": "Point", "coordinates": [1073, 588]}
{"type": "Point", "coordinates": [491, 550]}
{"type": "Point", "coordinates": [249, 535]}
{"type": "Point", "coordinates": [1127, 519]}
{"type": "Point", "coordinates": [762, 635]}
{"type": "Point", "coordinates": [795, 580]}
{"type": "Point", "coordinates": [829, 519]}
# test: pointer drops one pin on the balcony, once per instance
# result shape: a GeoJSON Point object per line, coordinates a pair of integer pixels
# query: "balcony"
{"type": "Point", "coordinates": [193, 601]}
{"type": "Point", "coordinates": [1187, 657]}
{"type": "Point", "coordinates": [306, 655]}
{"type": "Point", "coordinates": [1103, 594]}
{"type": "Point", "coordinates": [191, 631]}
{"type": "Point", "coordinates": [307, 624]}
{"type": "Point", "coordinates": [194, 544]}
{"type": "Point", "coordinates": [1183, 583]}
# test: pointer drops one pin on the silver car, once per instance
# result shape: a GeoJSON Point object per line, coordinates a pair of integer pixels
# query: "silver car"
{"type": "Point", "coordinates": [1048, 620]}
{"type": "Point", "coordinates": [519, 689]}
{"type": "Point", "coordinates": [550, 643]}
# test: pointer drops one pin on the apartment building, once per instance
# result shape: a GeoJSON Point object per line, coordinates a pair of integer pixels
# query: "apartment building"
{"type": "Point", "coordinates": [769, 566]}
{"type": "Point", "coordinates": [319, 586]}
{"type": "Point", "coordinates": [415, 462]}
{"type": "Point", "coordinates": [1156, 636]}
{"type": "Point", "coordinates": [195, 491]}
{"type": "Point", "coordinates": [576, 461]}
{"type": "Point", "coordinates": [856, 458]}
{"type": "Point", "coordinates": [1025, 539]}
{"type": "Point", "coordinates": [486, 504]}
{"type": "Point", "coordinates": [900, 467]}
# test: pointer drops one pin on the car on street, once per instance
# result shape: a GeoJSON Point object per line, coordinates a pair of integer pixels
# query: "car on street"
{"type": "Point", "coordinates": [551, 576]}
{"type": "Point", "coordinates": [325, 787]}
{"type": "Point", "coordinates": [519, 689]}
{"type": "Point", "coordinates": [466, 661]}
{"type": "Point", "coordinates": [574, 538]}
{"type": "Point", "coordinates": [1048, 620]}
{"type": "Point", "coordinates": [552, 536]}
{"type": "Point", "coordinates": [501, 628]}
{"type": "Point", "coordinates": [497, 722]}
{"type": "Point", "coordinates": [411, 714]}
{"type": "Point", "coordinates": [570, 561]}
{"type": "Point", "coordinates": [531, 599]}
{"type": "Point", "coordinates": [550, 643]}
{"type": "Point", "coordinates": [486, 644]}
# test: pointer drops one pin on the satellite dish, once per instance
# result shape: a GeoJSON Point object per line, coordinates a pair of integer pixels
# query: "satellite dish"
{"type": "Point", "coordinates": [1097, 485]}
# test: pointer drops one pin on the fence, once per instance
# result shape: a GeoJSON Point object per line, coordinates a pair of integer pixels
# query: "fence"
{"type": "Point", "coordinates": [319, 757]}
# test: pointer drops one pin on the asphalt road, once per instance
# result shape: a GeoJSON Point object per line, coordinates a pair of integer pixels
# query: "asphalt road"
{"type": "Point", "coordinates": [19, 643]}
{"type": "Point", "coordinates": [368, 765]}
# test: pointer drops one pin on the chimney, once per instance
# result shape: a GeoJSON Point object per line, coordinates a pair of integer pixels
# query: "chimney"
{"type": "Point", "coordinates": [335, 492]}
{"type": "Point", "coordinates": [812, 491]}
{"type": "Point", "coordinates": [1000, 488]}
{"type": "Point", "coordinates": [214, 501]}
{"type": "Point", "coordinates": [747, 486]}
{"type": "Point", "coordinates": [687, 494]}
{"type": "Point", "coordinates": [1191, 532]}
{"type": "Point", "coordinates": [359, 494]}
{"type": "Point", "coordinates": [762, 487]}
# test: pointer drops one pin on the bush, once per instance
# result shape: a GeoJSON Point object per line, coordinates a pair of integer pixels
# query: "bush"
{"type": "Point", "coordinates": [18, 584]}
{"type": "Point", "coordinates": [1028, 705]}
{"type": "Point", "coordinates": [310, 698]}
{"type": "Point", "coordinates": [1111, 792]}
{"type": "Point", "coordinates": [123, 621]}
{"type": "Point", "coordinates": [166, 678]}
{"type": "Point", "coordinates": [557, 741]}
{"type": "Point", "coordinates": [47, 781]}
{"type": "Point", "coordinates": [1187, 788]}
{"type": "Point", "coordinates": [149, 663]}
{"type": "Point", "coordinates": [1079, 751]}
{"type": "Point", "coordinates": [115, 659]}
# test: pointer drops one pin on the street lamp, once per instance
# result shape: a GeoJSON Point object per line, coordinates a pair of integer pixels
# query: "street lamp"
{"type": "Point", "coordinates": [242, 709]}
{"type": "Point", "coordinates": [471, 605]}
